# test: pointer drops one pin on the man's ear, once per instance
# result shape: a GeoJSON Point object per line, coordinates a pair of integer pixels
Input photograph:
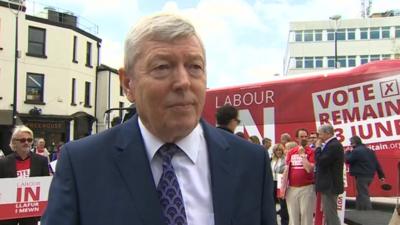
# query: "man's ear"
{"type": "Point", "coordinates": [126, 82]}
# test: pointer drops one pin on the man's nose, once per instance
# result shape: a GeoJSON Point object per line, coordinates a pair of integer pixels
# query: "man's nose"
{"type": "Point", "coordinates": [181, 77]}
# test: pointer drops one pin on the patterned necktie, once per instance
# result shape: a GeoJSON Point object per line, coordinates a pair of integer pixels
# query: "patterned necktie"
{"type": "Point", "coordinates": [168, 188]}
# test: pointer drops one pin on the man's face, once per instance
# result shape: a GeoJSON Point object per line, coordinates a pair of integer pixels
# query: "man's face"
{"type": "Point", "coordinates": [168, 85]}
{"type": "Point", "coordinates": [22, 143]}
{"type": "Point", "coordinates": [267, 144]}
{"type": "Point", "coordinates": [312, 138]}
{"type": "Point", "coordinates": [323, 136]}
{"type": "Point", "coordinates": [233, 124]}
{"type": "Point", "coordinates": [302, 138]}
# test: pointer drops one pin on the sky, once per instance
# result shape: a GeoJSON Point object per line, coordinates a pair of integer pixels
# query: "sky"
{"type": "Point", "coordinates": [245, 40]}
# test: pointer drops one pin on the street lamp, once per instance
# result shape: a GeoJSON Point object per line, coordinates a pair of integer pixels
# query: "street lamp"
{"type": "Point", "coordinates": [19, 6]}
{"type": "Point", "coordinates": [335, 18]}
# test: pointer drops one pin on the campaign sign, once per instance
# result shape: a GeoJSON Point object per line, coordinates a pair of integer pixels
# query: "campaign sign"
{"type": "Point", "coordinates": [23, 197]}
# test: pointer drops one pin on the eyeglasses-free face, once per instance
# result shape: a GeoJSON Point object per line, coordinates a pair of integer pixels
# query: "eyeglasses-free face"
{"type": "Point", "coordinates": [238, 121]}
{"type": "Point", "coordinates": [23, 140]}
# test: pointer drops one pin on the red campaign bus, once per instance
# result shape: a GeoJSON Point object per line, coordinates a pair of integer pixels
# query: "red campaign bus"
{"type": "Point", "coordinates": [363, 101]}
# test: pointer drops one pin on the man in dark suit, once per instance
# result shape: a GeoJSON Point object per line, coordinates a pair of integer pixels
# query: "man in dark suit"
{"type": "Point", "coordinates": [329, 159]}
{"type": "Point", "coordinates": [363, 165]}
{"type": "Point", "coordinates": [122, 175]}
{"type": "Point", "coordinates": [22, 163]}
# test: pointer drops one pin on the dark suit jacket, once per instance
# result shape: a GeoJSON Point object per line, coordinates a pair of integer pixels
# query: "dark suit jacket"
{"type": "Point", "coordinates": [106, 179]}
{"type": "Point", "coordinates": [329, 168]}
{"type": "Point", "coordinates": [363, 162]}
{"type": "Point", "coordinates": [39, 166]}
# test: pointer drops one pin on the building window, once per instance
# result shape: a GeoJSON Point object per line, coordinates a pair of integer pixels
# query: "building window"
{"type": "Point", "coordinates": [351, 61]}
{"type": "Point", "coordinates": [341, 34]}
{"type": "Point", "coordinates": [374, 33]}
{"type": "Point", "coordinates": [308, 62]}
{"type": "Point", "coordinates": [364, 59]}
{"type": "Point", "coordinates": [318, 62]}
{"type": "Point", "coordinates": [331, 62]}
{"type": "Point", "coordinates": [364, 33]}
{"type": "Point", "coordinates": [299, 62]}
{"type": "Point", "coordinates": [331, 35]}
{"type": "Point", "coordinates": [73, 90]}
{"type": "Point", "coordinates": [75, 48]}
{"type": "Point", "coordinates": [385, 56]}
{"type": "Point", "coordinates": [375, 58]}
{"type": "Point", "coordinates": [308, 35]}
{"type": "Point", "coordinates": [318, 35]}
{"type": "Point", "coordinates": [342, 61]}
{"type": "Point", "coordinates": [397, 32]}
{"type": "Point", "coordinates": [34, 88]}
{"type": "Point", "coordinates": [89, 54]}
{"type": "Point", "coordinates": [299, 36]}
{"type": "Point", "coordinates": [87, 94]}
{"type": "Point", "coordinates": [385, 32]}
{"type": "Point", "coordinates": [351, 34]}
{"type": "Point", "coordinates": [36, 42]}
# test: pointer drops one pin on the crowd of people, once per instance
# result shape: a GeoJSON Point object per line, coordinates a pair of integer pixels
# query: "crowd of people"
{"type": "Point", "coordinates": [166, 165]}
{"type": "Point", "coordinates": [311, 162]}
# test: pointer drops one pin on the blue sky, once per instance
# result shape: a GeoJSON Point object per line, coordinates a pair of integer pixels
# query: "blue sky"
{"type": "Point", "coordinates": [245, 40]}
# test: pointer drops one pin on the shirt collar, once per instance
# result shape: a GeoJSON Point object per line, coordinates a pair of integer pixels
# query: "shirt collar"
{"type": "Point", "coordinates": [189, 145]}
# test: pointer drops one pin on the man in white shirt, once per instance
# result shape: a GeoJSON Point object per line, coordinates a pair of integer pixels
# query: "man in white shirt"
{"type": "Point", "coordinates": [127, 175]}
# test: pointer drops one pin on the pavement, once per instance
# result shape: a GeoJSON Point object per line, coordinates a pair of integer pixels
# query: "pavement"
{"type": "Point", "coordinates": [380, 215]}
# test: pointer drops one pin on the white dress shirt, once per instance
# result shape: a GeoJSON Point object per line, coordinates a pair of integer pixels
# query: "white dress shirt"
{"type": "Point", "coordinates": [192, 169]}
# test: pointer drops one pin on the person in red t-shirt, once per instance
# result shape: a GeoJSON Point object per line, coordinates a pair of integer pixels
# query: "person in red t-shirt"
{"type": "Point", "coordinates": [300, 193]}
{"type": "Point", "coordinates": [22, 163]}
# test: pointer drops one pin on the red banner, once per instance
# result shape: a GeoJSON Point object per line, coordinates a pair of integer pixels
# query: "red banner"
{"type": "Point", "coordinates": [363, 101]}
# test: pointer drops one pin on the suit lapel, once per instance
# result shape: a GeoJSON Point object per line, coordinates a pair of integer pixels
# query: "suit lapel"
{"type": "Point", "coordinates": [131, 160]}
{"type": "Point", "coordinates": [222, 174]}
{"type": "Point", "coordinates": [12, 165]}
{"type": "Point", "coordinates": [34, 169]}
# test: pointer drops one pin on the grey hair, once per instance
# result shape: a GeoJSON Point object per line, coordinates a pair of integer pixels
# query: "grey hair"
{"type": "Point", "coordinates": [326, 128]}
{"type": "Point", "coordinates": [19, 129]}
{"type": "Point", "coordinates": [158, 27]}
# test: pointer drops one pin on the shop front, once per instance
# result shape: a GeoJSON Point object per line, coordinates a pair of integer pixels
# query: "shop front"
{"type": "Point", "coordinates": [54, 129]}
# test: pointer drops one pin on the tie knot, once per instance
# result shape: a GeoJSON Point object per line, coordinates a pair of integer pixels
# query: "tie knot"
{"type": "Point", "coordinates": [168, 150]}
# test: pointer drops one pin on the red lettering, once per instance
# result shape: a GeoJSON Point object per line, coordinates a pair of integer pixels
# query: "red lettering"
{"type": "Point", "coordinates": [353, 131]}
{"type": "Point", "coordinates": [324, 102]}
{"type": "Point", "coordinates": [19, 194]}
{"type": "Point", "coordinates": [323, 118]}
{"type": "Point", "coordinates": [386, 130]}
{"type": "Point", "coordinates": [354, 92]}
{"type": "Point", "coordinates": [28, 193]}
{"type": "Point", "coordinates": [368, 92]}
{"type": "Point", "coordinates": [390, 108]}
{"type": "Point", "coordinates": [339, 134]}
{"type": "Point", "coordinates": [397, 126]}
{"type": "Point", "coordinates": [354, 116]}
{"type": "Point", "coordinates": [366, 135]}
{"type": "Point", "coordinates": [380, 109]}
{"type": "Point", "coordinates": [342, 100]}
{"type": "Point", "coordinates": [34, 195]}
{"type": "Point", "coordinates": [336, 117]}
{"type": "Point", "coordinates": [369, 112]}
